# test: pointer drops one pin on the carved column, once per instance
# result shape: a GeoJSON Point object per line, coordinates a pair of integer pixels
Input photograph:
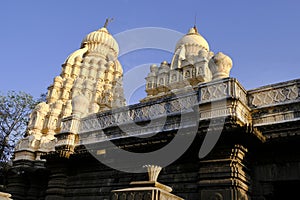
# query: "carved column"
{"type": "Point", "coordinates": [224, 175]}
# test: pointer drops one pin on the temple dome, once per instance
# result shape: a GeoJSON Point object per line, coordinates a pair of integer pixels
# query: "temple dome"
{"type": "Point", "coordinates": [101, 37]}
{"type": "Point", "coordinates": [192, 38]}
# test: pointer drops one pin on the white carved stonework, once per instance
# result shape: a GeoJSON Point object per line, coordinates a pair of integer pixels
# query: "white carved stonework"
{"type": "Point", "coordinates": [269, 119]}
{"type": "Point", "coordinates": [208, 114]}
{"type": "Point", "coordinates": [175, 106]}
{"type": "Point", "coordinates": [216, 91]}
{"type": "Point", "coordinates": [80, 105]}
{"type": "Point", "coordinates": [203, 73]}
{"type": "Point", "coordinates": [274, 95]}
{"type": "Point", "coordinates": [220, 66]}
{"type": "Point", "coordinates": [93, 122]}
{"type": "Point", "coordinates": [213, 92]}
{"type": "Point", "coordinates": [189, 67]}
{"type": "Point", "coordinates": [240, 93]}
{"type": "Point", "coordinates": [187, 103]}
{"type": "Point", "coordinates": [29, 142]}
{"type": "Point", "coordinates": [70, 124]}
{"type": "Point", "coordinates": [87, 97]}
{"type": "Point", "coordinates": [156, 110]}
{"type": "Point", "coordinates": [77, 91]}
{"type": "Point", "coordinates": [66, 124]}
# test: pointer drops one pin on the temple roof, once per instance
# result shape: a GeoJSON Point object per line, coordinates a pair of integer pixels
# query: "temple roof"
{"type": "Point", "coordinates": [101, 37]}
{"type": "Point", "coordinates": [192, 38]}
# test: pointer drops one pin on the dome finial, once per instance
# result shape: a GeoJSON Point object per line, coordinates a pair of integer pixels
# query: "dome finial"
{"type": "Point", "coordinates": [195, 27]}
{"type": "Point", "coordinates": [107, 21]}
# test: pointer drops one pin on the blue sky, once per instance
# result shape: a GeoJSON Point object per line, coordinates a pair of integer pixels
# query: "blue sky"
{"type": "Point", "coordinates": [261, 37]}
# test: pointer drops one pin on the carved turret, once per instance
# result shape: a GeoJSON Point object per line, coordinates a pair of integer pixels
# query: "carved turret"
{"type": "Point", "coordinates": [192, 64]}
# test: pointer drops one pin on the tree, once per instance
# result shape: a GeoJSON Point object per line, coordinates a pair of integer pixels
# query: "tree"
{"type": "Point", "coordinates": [14, 116]}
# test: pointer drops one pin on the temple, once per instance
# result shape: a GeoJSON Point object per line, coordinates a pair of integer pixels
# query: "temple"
{"type": "Point", "coordinates": [206, 135]}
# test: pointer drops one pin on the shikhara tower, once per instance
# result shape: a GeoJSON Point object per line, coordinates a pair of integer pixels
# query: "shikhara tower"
{"type": "Point", "coordinates": [192, 64]}
{"type": "Point", "coordinates": [91, 76]}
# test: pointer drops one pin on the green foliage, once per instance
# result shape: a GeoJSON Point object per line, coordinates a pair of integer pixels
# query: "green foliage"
{"type": "Point", "coordinates": [14, 116]}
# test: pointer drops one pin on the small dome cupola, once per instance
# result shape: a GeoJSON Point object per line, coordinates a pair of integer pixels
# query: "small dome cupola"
{"type": "Point", "coordinates": [101, 37]}
{"type": "Point", "coordinates": [192, 38]}
{"type": "Point", "coordinates": [189, 48]}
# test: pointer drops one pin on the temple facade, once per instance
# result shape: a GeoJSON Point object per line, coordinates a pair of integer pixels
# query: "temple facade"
{"type": "Point", "coordinates": [208, 136]}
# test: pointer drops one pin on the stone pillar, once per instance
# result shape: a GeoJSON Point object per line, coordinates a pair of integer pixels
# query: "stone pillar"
{"type": "Point", "coordinates": [57, 180]}
{"type": "Point", "coordinates": [224, 175]}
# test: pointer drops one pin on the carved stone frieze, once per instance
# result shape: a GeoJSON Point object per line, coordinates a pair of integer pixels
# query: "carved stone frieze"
{"type": "Point", "coordinates": [147, 195]}
{"type": "Point", "coordinates": [213, 92]}
{"type": "Point", "coordinates": [275, 104]}
{"type": "Point", "coordinates": [275, 94]}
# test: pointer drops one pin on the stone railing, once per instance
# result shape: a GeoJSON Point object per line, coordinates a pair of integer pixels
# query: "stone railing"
{"type": "Point", "coordinates": [221, 89]}
{"type": "Point", "coordinates": [138, 112]}
{"type": "Point", "coordinates": [212, 100]}
{"type": "Point", "coordinates": [275, 104]}
{"type": "Point", "coordinates": [205, 94]}
{"type": "Point", "coordinates": [274, 94]}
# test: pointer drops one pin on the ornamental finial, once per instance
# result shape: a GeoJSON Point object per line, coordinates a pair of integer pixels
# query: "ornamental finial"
{"type": "Point", "coordinates": [195, 22]}
{"type": "Point", "coordinates": [107, 21]}
{"type": "Point", "coordinates": [153, 172]}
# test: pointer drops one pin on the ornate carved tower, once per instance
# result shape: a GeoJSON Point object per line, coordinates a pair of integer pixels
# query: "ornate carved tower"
{"type": "Point", "coordinates": [193, 63]}
{"type": "Point", "coordinates": [91, 78]}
